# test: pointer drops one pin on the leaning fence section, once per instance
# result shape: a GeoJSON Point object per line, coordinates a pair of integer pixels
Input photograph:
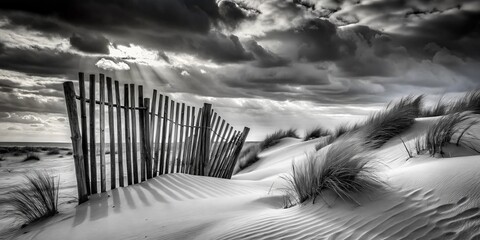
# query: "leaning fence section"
{"type": "Point", "coordinates": [146, 137]}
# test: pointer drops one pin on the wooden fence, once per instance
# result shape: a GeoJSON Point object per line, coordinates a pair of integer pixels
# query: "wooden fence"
{"type": "Point", "coordinates": [147, 137]}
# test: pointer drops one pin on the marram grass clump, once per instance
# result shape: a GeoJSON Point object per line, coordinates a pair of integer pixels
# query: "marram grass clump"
{"type": "Point", "coordinates": [451, 128]}
{"type": "Point", "coordinates": [395, 119]}
{"type": "Point", "coordinates": [275, 137]}
{"type": "Point", "coordinates": [316, 132]}
{"type": "Point", "coordinates": [345, 169]}
{"type": "Point", "coordinates": [36, 199]}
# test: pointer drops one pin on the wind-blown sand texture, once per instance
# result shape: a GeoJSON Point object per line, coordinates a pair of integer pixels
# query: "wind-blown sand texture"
{"type": "Point", "coordinates": [427, 198]}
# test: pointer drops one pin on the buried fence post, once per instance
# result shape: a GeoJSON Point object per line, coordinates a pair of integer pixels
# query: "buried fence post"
{"type": "Point", "coordinates": [236, 152]}
{"type": "Point", "coordinates": [71, 104]}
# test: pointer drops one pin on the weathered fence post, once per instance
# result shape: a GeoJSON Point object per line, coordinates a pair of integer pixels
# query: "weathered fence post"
{"type": "Point", "coordinates": [71, 104]}
{"type": "Point", "coordinates": [147, 149]}
{"type": "Point", "coordinates": [206, 127]}
{"type": "Point", "coordinates": [103, 180]}
{"type": "Point", "coordinates": [93, 159]}
{"type": "Point", "coordinates": [83, 118]}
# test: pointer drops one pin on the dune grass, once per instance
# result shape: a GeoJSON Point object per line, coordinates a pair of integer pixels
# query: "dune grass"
{"type": "Point", "coordinates": [469, 102]}
{"type": "Point", "coordinates": [345, 169]}
{"type": "Point", "coordinates": [315, 132]}
{"type": "Point", "coordinates": [248, 156]}
{"type": "Point", "coordinates": [55, 151]}
{"type": "Point", "coordinates": [31, 156]}
{"type": "Point", "coordinates": [275, 137]}
{"type": "Point", "coordinates": [325, 141]}
{"type": "Point", "coordinates": [444, 129]}
{"type": "Point", "coordinates": [439, 109]}
{"type": "Point", "coordinates": [395, 119]}
{"type": "Point", "coordinates": [36, 199]}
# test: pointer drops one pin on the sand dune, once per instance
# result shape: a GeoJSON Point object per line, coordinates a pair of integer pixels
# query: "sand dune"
{"type": "Point", "coordinates": [426, 198]}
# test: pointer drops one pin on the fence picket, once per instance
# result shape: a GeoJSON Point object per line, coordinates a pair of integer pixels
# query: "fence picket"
{"type": "Point", "coordinates": [170, 132]}
{"type": "Point", "coordinates": [164, 135]}
{"type": "Point", "coordinates": [141, 129]}
{"type": "Point", "coordinates": [111, 132]}
{"type": "Point", "coordinates": [134, 134]}
{"type": "Point", "coordinates": [157, 136]}
{"type": "Point", "coordinates": [175, 137]}
{"type": "Point", "coordinates": [93, 160]}
{"type": "Point", "coordinates": [121, 173]}
{"type": "Point", "coordinates": [83, 121]}
{"type": "Point", "coordinates": [128, 138]}
{"type": "Point", "coordinates": [103, 184]}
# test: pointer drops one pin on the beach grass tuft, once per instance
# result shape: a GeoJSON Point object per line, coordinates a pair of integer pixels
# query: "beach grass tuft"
{"type": "Point", "coordinates": [248, 156]}
{"type": "Point", "coordinates": [395, 119]}
{"type": "Point", "coordinates": [275, 137]}
{"type": "Point", "coordinates": [36, 199]}
{"type": "Point", "coordinates": [444, 129]}
{"type": "Point", "coordinates": [31, 156]}
{"type": "Point", "coordinates": [345, 169]}
{"type": "Point", "coordinates": [316, 132]}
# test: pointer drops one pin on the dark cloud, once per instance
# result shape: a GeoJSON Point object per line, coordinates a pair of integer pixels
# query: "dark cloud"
{"type": "Point", "coordinates": [265, 58]}
{"type": "Point", "coordinates": [90, 43]}
{"type": "Point", "coordinates": [317, 40]}
{"type": "Point", "coordinates": [189, 15]}
{"type": "Point", "coordinates": [42, 61]}
{"type": "Point", "coordinates": [234, 13]}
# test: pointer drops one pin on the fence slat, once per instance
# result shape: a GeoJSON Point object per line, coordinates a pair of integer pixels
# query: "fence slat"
{"type": "Point", "coordinates": [83, 121]}
{"type": "Point", "coordinates": [175, 137]}
{"type": "Point", "coordinates": [128, 138]}
{"type": "Point", "coordinates": [190, 142]}
{"type": "Point", "coordinates": [141, 128]}
{"type": "Point", "coordinates": [170, 132]}
{"type": "Point", "coordinates": [121, 180]}
{"type": "Point", "coordinates": [147, 150]}
{"type": "Point", "coordinates": [164, 135]}
{"type": "Point", "coordinates": [93, 160]}
{"type": "Point", "coordinates": [157, 136]}
{"type": "Point", "coordinates": [215, 123]}
{"type": "Point", "coordinates": [180, 142]}
{"type": "Point", "coordinates": [134, 134]}
{"type": "Point", "coordinates": [196, 143]}
{"type": "Point", "coordinates": [206, 164]}
{"type": "Point", "coordinates": [103, 184]}
{"type": "Point", "coordinates": [185, 143]}
{"type": "Point", "coordinates": [76, 137]}
{"type": "Point", "coordinates": [111, 132]}
{"type": "Point", "coordinates": [152, 116]}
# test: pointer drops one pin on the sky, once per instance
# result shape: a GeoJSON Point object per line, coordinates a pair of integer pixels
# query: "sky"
{"type": "Point", "coordinates": [265, 64]}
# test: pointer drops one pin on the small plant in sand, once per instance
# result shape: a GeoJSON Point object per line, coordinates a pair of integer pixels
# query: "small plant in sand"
{"type": "Point", "coordinates": [36, 199]}
{"type": "Point", "coordinates": [442, 132]}
{"type": "Point", "coordinates": [275, 137]}
{"type": "Point", "coordinates": [248, 156]}
{"type": "Point", "coordinates": [469, 102]}
{"type": "Point", "coordinates": [31, 156]}
{"type": "Point", "coordinates": [395, 119]}
{"type": "Point", "coordinates": [53, 152]}
{"type": "Point", "coordinates": [345, 169]}
{"type": "Point", "coordinates": [316, 132]}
